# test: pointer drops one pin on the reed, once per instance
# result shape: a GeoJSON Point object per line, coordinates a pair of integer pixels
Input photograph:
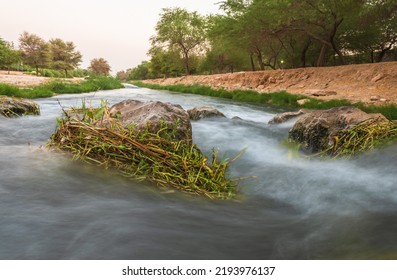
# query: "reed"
{"type": "Point", "coordinates": [156, 158]}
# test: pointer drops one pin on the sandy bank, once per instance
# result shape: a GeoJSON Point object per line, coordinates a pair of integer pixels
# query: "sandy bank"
{"type": "Point", "coordinates": [368, 83]}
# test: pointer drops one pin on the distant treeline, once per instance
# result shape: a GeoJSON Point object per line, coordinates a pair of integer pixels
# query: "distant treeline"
{"type": "Point", "coordinates": [270, 34]}
{"type": "Point", "coordinates": [55, 58]}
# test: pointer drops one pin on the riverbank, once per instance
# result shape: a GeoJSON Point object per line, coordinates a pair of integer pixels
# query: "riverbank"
{"type": "Point", "coordinates": [371, 84]}
{"type": "Point", "coordinates": [25, 86]}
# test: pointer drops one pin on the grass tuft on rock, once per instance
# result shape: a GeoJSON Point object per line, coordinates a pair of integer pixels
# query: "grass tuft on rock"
{"type": "Point", "coordinates": [361, 138]}
{"type": "Point", "coordinates": [142, 156]}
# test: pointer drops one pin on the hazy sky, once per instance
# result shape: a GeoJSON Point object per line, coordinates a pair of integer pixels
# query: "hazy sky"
{"type": "Point", "coordinates": [117, 30]}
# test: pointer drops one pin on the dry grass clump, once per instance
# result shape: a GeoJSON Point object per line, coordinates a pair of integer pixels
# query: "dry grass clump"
{"type": "Point", "coordinates": [363, 137]}
{"type": "Point", "coordinates": [142, 155]}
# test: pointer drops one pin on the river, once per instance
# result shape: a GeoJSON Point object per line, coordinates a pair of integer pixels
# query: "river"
{"type": "Point", "coordinates": [52, 207]}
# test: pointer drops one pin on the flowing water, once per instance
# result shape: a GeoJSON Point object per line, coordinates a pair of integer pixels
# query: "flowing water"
{"type": "Point", "coordinates": [54, 208]}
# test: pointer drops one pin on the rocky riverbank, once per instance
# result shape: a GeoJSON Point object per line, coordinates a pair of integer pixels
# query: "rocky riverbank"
{"type": "Point", "coordinates": [368, 83]}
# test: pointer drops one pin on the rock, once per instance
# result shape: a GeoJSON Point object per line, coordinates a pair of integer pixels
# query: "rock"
{"type": "Point", "coordinates": [153, 116]}
{"type": "Point", "coordinates": [374, 98]}
{"type": "Point", "coordinates": [283, 117]}
{"type": "Point", "coordinates": [324, 93]}
{"type": "Point", "coordinates": [377, 78]}
{"type": "Point", "coordinates": [198, 113]}
{"type": "Point", "coordinates": [316, 131]}
{"type": "Point", "coordinates": [302, 101]}
{"type": "Point", "coordinates": [12, 106]}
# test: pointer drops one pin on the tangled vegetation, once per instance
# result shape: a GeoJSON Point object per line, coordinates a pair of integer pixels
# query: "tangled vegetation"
{"type": "Point", "coordinates": [142, 156]}
{"type": "Point", "coordinates": [363, 137]}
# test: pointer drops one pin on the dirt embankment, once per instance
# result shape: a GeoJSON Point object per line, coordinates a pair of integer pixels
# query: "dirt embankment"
{"type": "Point", "coordinates": [368, 83]}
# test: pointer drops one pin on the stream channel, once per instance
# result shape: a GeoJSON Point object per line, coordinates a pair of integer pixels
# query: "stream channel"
{"type": "Point", "coordinates": [52, 207]}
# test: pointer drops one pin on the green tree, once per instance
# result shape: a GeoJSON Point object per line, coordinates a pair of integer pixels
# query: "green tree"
{"type": "Point", "coordinates": [64, 56]}
{"type": "Point", "coordinates": [375, 31]}
{"type": "Point", "coordinates": [99, 66]}
{"type": "Point", "coordinates": [8, 55]}
{"type": "Point", "coordinates": [35, 51]}
{"type": "Point", "coordinates": [181, 30]}
{"type": "Point", "coordinates": [226, 53]}
{"type": "Point", "coordinates": [165, 62]}
{"type": "Point", "coordinates": [140, 72]}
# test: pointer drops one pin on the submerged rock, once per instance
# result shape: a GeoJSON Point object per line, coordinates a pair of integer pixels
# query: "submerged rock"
{"type": "Point", "coordinates": [199, 113]}
{"type": "Point", "coordinates": [318, 131]}
{"type": "Point", "coordinates": [12, 106]}
{"type": "Point", "coordinates": [283, 117]}
{"type": "Point", "coordinates": [153, 116]}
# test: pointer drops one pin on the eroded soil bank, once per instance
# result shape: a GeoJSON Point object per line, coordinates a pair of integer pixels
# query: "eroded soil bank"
{"type": "Point", "coordinates": [369, 83]}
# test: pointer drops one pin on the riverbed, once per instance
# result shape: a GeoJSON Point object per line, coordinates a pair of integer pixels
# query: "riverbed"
{"type": "Point", "coordinates": [290, 207]}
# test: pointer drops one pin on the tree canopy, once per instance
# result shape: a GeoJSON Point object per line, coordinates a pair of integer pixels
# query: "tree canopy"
{"type": "Point", "coordinates": [270, 34]}
{"type": "Point", "coordinates": [99, 66]}
{"type": "Point", "coordinates": [181, 30]}
{"type": "Point", "coordinates": [35, 51]}
{"type": "Point", "coordinates": [63, 55]}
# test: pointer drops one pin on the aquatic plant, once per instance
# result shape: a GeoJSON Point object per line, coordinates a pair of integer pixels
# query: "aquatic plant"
{"type": "Point", "coordinates": [153, 157]}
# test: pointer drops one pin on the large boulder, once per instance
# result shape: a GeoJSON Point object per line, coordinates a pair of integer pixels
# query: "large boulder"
{"type": "Point", "coordinates": [318, 131]}
{"type": "Point", "coordinates": [12, 106]}
{"type": "Point", "coordinates": [154, 116]}
{"type": "Point", "coordinates": [199, 113]}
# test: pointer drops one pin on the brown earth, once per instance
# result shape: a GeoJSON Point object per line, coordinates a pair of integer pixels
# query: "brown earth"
{"type": "Point", "coordinates": [23, 80]}
{"type": "Point", "coordinates": [369, 83]}
{"type": "Point", "coordinates": [20, 79]}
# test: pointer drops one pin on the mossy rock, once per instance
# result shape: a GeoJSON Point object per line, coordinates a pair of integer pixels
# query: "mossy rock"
{"type": "Point", "coordinates": [14, 107]}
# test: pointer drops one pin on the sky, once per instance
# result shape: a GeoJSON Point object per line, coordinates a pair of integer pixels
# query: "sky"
{"type": "Point", "coordinates": [117, 30]}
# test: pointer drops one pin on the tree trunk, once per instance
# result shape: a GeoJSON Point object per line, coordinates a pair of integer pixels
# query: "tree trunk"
{"type": "Point", "coordinates": [37, 70]}
{"type": "Point", "coordinates": [252, 62]}
{"type": "Point", "coordinates": [321, 57]}
{"type": "Point", "coordinates": [339, 53]}
{"type": "Point", "coordinates": [304, 51]}
{"type": "Point", "coordinates": [331, 39]}
{"type": "Point", "coordinates": [260, 60]}
{"type": "Point", "coordinates": [186, 61]}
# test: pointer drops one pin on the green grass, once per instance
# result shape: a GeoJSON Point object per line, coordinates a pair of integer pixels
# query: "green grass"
{"type": "Point", "coordinates": [281, 98]}
{"type": "Point", "coordinates": [61, 87]}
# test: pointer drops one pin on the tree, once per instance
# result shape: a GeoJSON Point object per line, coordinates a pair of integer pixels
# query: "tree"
{"type": "Point", "coordinates": [375, 31]}
{"type": "Point", "coordinates": [180, 29]}
{"type": "Point", "coordinates": [8, 55]}
{"type": "Point", "coordinates": [35, 51]}
{"type": "Point", "coordinates": [63, 55]}
{"type": "Point", "coordinates": [99, 66]}
{"type": "Point", "coordinates": [165, 63]}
